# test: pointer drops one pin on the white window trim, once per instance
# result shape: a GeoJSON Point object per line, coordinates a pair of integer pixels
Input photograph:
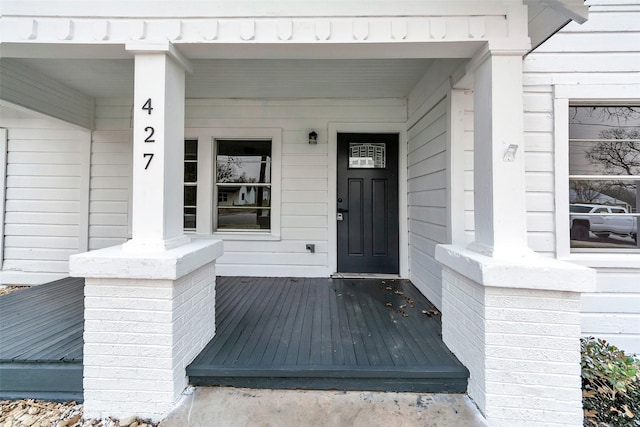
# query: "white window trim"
{"type": "Point", "coordinates": [564, 95]}
{"type": "Point", "coordinates": [206, 201]}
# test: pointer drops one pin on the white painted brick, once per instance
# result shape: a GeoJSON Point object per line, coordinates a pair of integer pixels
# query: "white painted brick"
{"type": "Point", "coordinates": [133, 325]}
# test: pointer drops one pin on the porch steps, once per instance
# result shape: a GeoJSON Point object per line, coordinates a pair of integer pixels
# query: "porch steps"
{"type": "Point", "coordinates": [346, 334]}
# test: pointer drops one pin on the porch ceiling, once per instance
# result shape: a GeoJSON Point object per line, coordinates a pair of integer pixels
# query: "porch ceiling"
{"type": "Point", "coordinates": [249, 78]}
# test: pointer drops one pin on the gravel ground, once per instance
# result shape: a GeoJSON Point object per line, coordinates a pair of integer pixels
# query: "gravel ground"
{"type": "Point", "coordinates": [7, 289]}
{"type": "Point", "coordinates": [37, 413]}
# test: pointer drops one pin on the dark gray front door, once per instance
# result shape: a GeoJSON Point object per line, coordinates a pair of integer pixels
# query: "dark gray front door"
{"type": "Point", "coordinates": [367, 203]}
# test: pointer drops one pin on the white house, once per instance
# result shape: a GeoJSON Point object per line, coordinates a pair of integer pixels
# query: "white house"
{"type": "Point", "coordinates": [454, 126]}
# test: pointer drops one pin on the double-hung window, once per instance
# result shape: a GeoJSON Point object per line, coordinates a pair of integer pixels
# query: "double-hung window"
{"type": "Point", "coordinates": [604, 177]}
{"type": "Point", "coordinates": [243, 184]}
{"type": "Point", "coordinates": [190, 183]}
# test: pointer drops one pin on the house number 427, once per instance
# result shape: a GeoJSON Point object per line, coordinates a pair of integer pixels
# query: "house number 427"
{"type": "Point", "coordinates": [149, 131]}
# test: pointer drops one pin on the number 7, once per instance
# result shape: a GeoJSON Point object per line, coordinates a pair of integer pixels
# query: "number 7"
{"type": "Point", "coordinates": [150, 156]}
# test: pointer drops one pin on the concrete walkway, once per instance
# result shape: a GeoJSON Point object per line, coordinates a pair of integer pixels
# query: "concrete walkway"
{"type": "Point", "coordinates": [219, 406]}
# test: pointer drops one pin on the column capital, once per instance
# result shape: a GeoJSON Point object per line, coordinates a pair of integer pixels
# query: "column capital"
{"type": "Point", "coordinates": [163, 47]}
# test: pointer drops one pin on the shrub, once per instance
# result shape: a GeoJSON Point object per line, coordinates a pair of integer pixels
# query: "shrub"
{"type": "Point", "coordinates": [610, 385]}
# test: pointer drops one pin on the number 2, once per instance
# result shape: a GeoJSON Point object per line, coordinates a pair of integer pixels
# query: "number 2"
{"type": "Point", "coordinates": [147, 106]}
{"type": "Point", "coordinates": [151, 132]}
{"type": "Point", "coordinates": [150, 156]}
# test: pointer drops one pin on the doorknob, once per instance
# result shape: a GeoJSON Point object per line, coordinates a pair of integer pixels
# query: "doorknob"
{"type": "Point", "coordinates": [340, 210]}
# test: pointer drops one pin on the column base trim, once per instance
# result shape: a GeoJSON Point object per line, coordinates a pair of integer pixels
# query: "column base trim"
{"type": "Point", "coordinates": [526, 272]}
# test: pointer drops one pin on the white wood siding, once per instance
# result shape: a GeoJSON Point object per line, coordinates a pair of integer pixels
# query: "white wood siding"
{"type": "Point", "coordinates": [35, 91]}
{"type": "Point", "coordinates": [305, 177]}
{"type": "Point", "coordinates": [110, 187]}
{"type": "Point", "coordinates": [44, 204]}
{"type": "Point", "coordinates": [604, 51]}
{"type": "Point", "coordinates": [428, 168]}
{"type": "Point", "coordinates": [304, 216]}
{"type": "Point", "coordinates": [427, 197]}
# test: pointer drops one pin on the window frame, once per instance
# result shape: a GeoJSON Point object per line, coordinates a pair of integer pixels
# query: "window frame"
{"type": "Point", "coordinates": [565, 96]}
{"type": "Point", "coordinates": [217, 186]}
{"type": "Point", "coordinates": [207, 201]}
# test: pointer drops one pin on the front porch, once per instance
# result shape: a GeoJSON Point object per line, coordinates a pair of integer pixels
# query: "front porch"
{"type": "Point", "coordinates": [364, 334]}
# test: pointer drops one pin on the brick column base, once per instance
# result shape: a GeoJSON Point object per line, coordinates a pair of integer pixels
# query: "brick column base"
{"type": "Point", "coordinates": [520, 342]}
{"type": "Point", "coordinates": [142, 332]}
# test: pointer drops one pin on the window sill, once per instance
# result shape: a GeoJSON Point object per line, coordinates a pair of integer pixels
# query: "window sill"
{"type": "Point", "coordinates": [605, 260]}
{"type": "Point", "coordinates": [244, 236]}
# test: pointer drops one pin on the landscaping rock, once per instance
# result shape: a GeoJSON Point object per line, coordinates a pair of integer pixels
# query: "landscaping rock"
{"type": "Point", "coordinates": [32, 413]}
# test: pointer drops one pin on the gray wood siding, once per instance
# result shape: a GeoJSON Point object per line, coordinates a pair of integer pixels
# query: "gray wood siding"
{"type": "Point", "coordinates": [43, 205]}
{"type": "Point", "coordinates": [604, 51]}
{"type": "Point", "coordinates": [427, 198]}
{"type": "Point", "coordinates": [31, 89]}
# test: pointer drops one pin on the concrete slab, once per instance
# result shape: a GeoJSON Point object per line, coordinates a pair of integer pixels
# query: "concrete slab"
{"type": "Point", "coordinates": [229, 407]}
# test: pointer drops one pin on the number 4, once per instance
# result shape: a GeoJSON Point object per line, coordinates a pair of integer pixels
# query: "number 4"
{"type": "Point", "coordinates": [147, 106]}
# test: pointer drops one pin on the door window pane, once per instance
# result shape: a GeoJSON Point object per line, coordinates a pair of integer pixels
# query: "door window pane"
{"type": "Point", "coordinates": [369, 155]}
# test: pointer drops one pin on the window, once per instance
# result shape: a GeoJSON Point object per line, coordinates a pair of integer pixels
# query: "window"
{"type": "Point", "coordinates": [190, 184]}
{"type": "Point", "coordinates": [243, 184]}
{"type": "Point", "coordinates": [604, 177]}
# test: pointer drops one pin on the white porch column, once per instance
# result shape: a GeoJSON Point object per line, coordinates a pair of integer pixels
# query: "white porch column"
{"type": "Point", "coordinates": [150, 303]}
{"type": "Point", "coordinates": [158, 146]}
{"type": "Point", "coordinates": [511, 316]}
{"type": "Point", "coordinates": [499, 197]}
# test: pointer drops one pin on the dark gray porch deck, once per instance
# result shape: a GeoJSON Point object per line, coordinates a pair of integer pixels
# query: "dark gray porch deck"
{"type": "Point", "coordinates": [41, 341]}
{"type": "Point", "coordinates": [363, 334]}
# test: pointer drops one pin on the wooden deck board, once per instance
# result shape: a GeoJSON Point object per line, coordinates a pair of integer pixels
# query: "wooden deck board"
{"type": "Point", "coordinates": [275, 332]}
{"type": "Point", "coordinates": [41, 341]}
{"type": "Point", "coordinates": [322, 333]}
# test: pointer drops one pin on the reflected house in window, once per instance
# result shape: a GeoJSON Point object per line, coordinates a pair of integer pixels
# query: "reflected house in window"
{"type": "Point", "coordinates": [604, 171]}
{"type": "Point", "coordinates": [243, 185]}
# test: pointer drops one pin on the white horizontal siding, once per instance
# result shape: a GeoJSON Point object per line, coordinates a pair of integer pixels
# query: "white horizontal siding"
{"type": "Point", "coordinates": [111, 157]}
{"type": "Point", "coordinates": [305, 169]}
{"type": "Point", "coordinates": [35, 91]}
{"type": "Point", "coordinates": [427, 199]}
{"type": "Point", "coordinates": [44, 204]}
{"type": "Point", "coordinates": [603, 51]}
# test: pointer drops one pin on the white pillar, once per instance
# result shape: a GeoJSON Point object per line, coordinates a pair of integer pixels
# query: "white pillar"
{"type": "Point", "coordinates": [158, 145]}
{"type": "Point", "coordinates": [511, 316]}
{"type": "Point", "coordinates": [150, 303]}
{"type": "Point", "coordinates": [499, 177]}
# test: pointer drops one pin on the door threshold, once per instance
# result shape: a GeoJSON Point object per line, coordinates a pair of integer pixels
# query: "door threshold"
{"type": "Point", "coordinates": [364, 276]}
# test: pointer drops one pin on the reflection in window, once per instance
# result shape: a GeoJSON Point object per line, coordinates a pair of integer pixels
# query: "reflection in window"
{"type": "Point", "coordinates": [604, 172]}
{"type": "Point", "coordinates": [243, 185]}
{"type": "Point", "coordinates": [190, 184]}
{"type": "Point", "coordinates": [367, 155]}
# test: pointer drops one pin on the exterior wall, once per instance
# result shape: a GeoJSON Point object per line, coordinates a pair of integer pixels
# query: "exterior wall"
{"type": "Point", "coordinates": [46, 198]}
{"type": "Point", "coordinates": [602, 54]}
{"type": "Point", "coordinates": [437, 136]}
{"type": "Point", "coordinates": [111, 155]}
{"type": "Point", "coordinates": [427, 196]}
{"type": "Point", "coordinates": [304, 185]}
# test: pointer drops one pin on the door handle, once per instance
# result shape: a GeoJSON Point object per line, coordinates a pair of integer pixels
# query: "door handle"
{"type": "Point", "coordinates": [340, 210]}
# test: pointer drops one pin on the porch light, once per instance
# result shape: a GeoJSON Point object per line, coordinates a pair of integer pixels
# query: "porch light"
{"type": "Point", "coordinates": [313, 137]}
